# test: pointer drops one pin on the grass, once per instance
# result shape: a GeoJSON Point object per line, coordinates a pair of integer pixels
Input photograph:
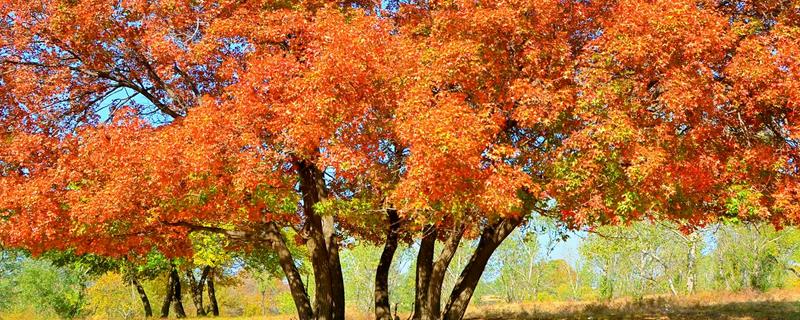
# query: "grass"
{"type": "Point", "coordinates": [780, 304]}
{"type": "Point", "coordinates": [775, 305]}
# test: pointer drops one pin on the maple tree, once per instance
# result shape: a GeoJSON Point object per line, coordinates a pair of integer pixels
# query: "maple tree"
{"type": "Point", "coordinates": [219, 155]}
{"type": "Point", "coordinates": [129, 125]}
{"type": "Point", "coordinates": [689, 114]}
{"type": "Point", "coordinates": [483, 118]}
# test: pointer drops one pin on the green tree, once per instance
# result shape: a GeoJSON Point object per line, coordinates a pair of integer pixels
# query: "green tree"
{"type": "Point", "coordinates": [754, 256]}
{"type": "Point", "coordinates": [643, 258]}
{"type": "Point", "coordinates": [49, 290]}
{"type": "Point", "coordinates": [522, 266]}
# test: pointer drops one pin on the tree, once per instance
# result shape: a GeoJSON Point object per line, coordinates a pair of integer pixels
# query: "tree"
{"type": "Point", "coordinates": [49, 290]}
{"type": "Point", "coordinates": [687, 114]}
{"type": "Point", "coordinates": [752, 256]}
{"type": "Point", "coordinates": [209, 256]}
{"type": "Point", "coordinates": [132, 269]}
{"type": "Point", "coordinates": [433, 120]}
{"type": "Point", "coordinates": [475, 124]}
{"type": "Point", "coordinates": [106, 297]}
{"type": "Point", "coordinates": [188, 175]}
{"type": "Point", "coordinates": [641, 259]}
{"type": "Point", "coordinates": [523, 262]}
{"type": "Point", "coordinates": [174, 294]}
{"type": "Point", "coordinates": [265, 265]}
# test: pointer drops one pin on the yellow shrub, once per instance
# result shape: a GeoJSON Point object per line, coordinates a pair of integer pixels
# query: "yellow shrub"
{"type": "Point", "coordinates": [110, 298]}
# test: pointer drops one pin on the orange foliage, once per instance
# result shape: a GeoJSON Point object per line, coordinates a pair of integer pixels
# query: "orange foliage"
{"type": "Point", "coordinates": [606, 111]}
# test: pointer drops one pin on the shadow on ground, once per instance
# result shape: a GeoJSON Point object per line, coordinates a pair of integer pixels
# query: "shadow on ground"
{"type": "Point", "coordinates": [661, 309]}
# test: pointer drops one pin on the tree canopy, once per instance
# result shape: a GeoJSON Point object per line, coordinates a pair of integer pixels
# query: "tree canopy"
{"type": "Point", "coordinates": [128, 125]}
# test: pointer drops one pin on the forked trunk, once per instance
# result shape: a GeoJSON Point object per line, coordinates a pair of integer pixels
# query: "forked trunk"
{"type": "Point", "coordinates": [440, 270]}
{"type": "Point", "coordinates": [430, 274]}
{"type": "Point", "coordinates": [383, 309]}
{"type": "Point", "coordinates": [490, 239]}
{"type": "Point", "coordinates": [177, 298]}
{"type": "Point", "coordinates": [196, 289]}
{"type": "Point", "coordinates": [168, 296]}
{"type": "Point", "coordinates": [323, 246]}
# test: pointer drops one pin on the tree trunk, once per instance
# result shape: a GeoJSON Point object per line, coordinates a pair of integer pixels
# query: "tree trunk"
{"type": "Point", "coordinates": [196, 289]}
{"type": "Point", "coordinates": [301, 300]}
{"type": "Point", "coordinates": [212, 294]}
{"type": "Point", "coordinates": [423, 275]}
{"type": "Point", "coordinates": [491, 238]}
{"type": "Point", "coordinates": [320, 263]}
{"type": "Point", "coordinates": [440, 270]}
{"type": "Point", "coordinates": [337, 278]}
{"type": "Point", "coordinates": [383, 309]}
{"type": "Point", "coordinates": [323, 246]}
{"type": "Point", "coordinates": [176, 295]}
{"type": "Point", "coordinates": [168, 296]}
{"type": "Point", "coordinates": [430, 274]}
{"type": "Point", "coordinates": [148, 310]}
{"type": "Point", "coordinates": [691, 260]}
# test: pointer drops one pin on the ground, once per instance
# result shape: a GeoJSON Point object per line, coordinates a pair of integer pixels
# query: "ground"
{"type": "Point", "coordinates": [776, 305]}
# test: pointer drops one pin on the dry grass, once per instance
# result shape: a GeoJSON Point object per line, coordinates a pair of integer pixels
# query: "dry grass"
{"type": "Point", "coordinates": [775, 305]}
{"type": "Point", "coordinates": [780, 304]}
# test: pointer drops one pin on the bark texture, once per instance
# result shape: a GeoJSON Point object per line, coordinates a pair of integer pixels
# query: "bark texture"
{"type": "Point", "coordinates": [491, 238]}
{"type": "Point", "coordinates": [168, 296]}
{"type": "Point", "coordinates": [440, 270]}
{"type": "Point", "coordinates": [177, 297]}
{"type": "Point", "coordinates": [148, 310]}
{"type": "Point", "coordinates": [301, 300]}
{"type": "Point", "coordinates": [323, 246]}
{"type": "Point", "coordinates": [196, 289]}
{"type": "Point", "coordinates": [424, 270]}
{"type": "Point", "coordinates": [213, 307]}
{"type": "Point", "coordinates": [383, 309]}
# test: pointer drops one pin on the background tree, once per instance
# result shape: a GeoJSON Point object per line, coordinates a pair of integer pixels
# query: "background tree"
{"type": "Point", "coordinates": [523, 263]}
{"type": "Point", "coordinates": [639, 259]}
{"type": "Point", "coordinates": [752, 256]}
